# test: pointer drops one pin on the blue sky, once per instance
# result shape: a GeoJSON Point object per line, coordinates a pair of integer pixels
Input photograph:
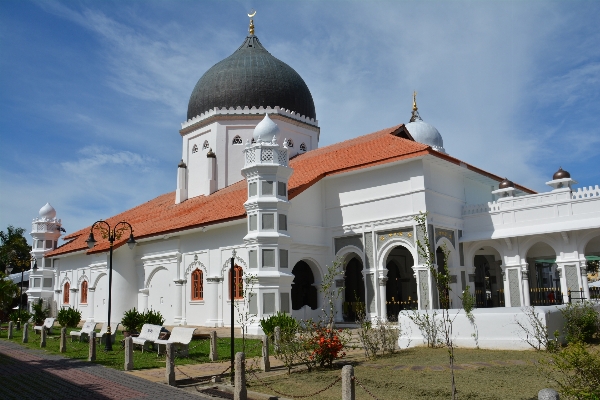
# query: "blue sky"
{"type": "Point", "coordinates": [92, 93]}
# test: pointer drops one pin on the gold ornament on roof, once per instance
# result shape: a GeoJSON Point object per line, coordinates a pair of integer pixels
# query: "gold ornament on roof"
{"type": "Point", "coordinates": [251, 27]}
{"type": "Point", "coordinates": [415, 101]}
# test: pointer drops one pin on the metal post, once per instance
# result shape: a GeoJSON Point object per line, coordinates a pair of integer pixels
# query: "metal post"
{"type": "Point", "coordinates": [108, 342]}
{"type": "Point", "coordinates": [232, 285]}
{"type": "Point", "coordinates": [20, 300]}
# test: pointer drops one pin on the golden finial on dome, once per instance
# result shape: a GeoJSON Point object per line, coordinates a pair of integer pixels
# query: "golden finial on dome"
{"type": "Point", "coordinates": [251, 27]}
{"type": "Point", "coordinates": [415, 101]}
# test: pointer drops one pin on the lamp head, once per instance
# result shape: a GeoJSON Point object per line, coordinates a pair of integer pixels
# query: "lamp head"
{"type": "Point", "coordinates": [131, 242]}
{"type": "Point", "coordinates": [34, 264]}
{"type": "Point", "coordinates": [9, 268]}
{"type": "Point", "coordinates": [91, 242]}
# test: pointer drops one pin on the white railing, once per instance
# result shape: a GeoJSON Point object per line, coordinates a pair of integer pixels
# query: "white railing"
{"type": "Point", "coordinates": [583, 193]}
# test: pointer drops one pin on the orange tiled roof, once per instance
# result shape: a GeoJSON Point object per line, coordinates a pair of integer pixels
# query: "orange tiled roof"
{"type": "Point", "coordinates": [161, 215]}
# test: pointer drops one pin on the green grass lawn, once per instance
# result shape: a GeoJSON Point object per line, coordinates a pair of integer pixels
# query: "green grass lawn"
{"type": "Point", "coordinates": [511, 375]}
{"type": "Point", "coordinates": [198, 353]}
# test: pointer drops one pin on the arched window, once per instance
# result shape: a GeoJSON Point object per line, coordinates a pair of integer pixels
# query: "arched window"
{"type": "Point", "coordinates": [66, 290]}
{"type": "Point", "coordinates": [195, 148]}
{"type": "Point", "coordinates": [237, 140]}
{"type": "Point", "coordinates": [290, 143]}
{"type": "Point", "coordinates": [205, 145]}
{"type": "Point", "coordinates": [302, 146]}
{"type": "Point", "coordinates": [84, 290]}
{"type": "Point", "coordinates": [239, 283]}
{"type": "Point", "coordinates": [197, 287]}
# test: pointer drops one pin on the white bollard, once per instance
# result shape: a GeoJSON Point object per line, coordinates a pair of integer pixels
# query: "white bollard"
{"type": "Point", "coordinates": [26, 333]}
{"type": "Point", "coordinates": [43, 337]}
{"type": "Point", "coordinates": [548, 394]}
{"type": "Point", "coordinates": [10, 329]}
{"type": "Point", "coordinates": [63, 340]}
{"type": "Point", "coordinates": [277, 338]}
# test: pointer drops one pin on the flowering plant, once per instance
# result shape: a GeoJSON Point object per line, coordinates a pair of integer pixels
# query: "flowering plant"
{"type": "Point", "coordinates": [328, 345]}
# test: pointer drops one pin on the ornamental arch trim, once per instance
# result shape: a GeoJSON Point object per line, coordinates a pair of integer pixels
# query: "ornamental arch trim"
{"type": "Point", "coordinates": [65, 280]}
{"type": "Point", "coordinates": [228, 265]}
{"type": "Point", "coordinates": [386, 249]}
{"type": "Point", "coordinates": [81, 279]}
{"type": "Point", "coordinates": [474, 247]}
{"type": "Point", "coordinates": [151, 275]}
{"type": "Point", "coordinates": [584, 240]}
{"type": "Point", "coordinates": [345, 254]}
{"type": "Point", "coordinates": [449, 246]}
{"type": "Point", "coordinates": [314, 267]}
{"type": "Point", "coordinates": [190, 268]}
{"type": "Point", "coordinates": [97, 280]}
{"type": "Point", "coordinates": [527, 244]}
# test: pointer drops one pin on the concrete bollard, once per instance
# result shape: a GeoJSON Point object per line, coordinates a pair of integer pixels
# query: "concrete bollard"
{"type": "Point", "coordinates": [239, 391]}
{"type": "Point", "coordinates": [10, 329]}
{"type": "Point", "coordinates": [63, 340]}
{"type": "Point", "coordinates": [348, 382]}
{"type": "Point", "coordinates": [277, 339]}
{"type": "Point", "coordinates": [548, 394]}
{"type": "Point", "coordinates": [92, 352]}
{"type": "Point", "coordinates": [43, 337]}
{"type": "Point", "coordinates": [128, 353]}
{"type": "Point", "coordinates": [26, 333]}
{"type": "Point", "coordinates": [170, 371]}
{"type": "Point", "coordinates": [214, 355]}
{"type": "Point", "coordinates": [265, 364]}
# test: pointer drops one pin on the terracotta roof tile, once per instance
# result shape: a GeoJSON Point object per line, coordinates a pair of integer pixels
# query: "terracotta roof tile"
{"type": "Point", "coordinates": [161, 215]}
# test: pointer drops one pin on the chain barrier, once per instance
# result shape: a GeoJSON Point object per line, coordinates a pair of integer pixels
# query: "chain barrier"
{"type": "Point", "coordinates": [364, 388]}
{"type": "Point", "coordinates": [263, 383]}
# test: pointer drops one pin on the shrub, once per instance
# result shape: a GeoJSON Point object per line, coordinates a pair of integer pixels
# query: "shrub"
{"type": "Point", "coordinates": [39, 312]}
{"type": "Point", "coordinates": [152, 317]}
{"type": "Point", "coordinates": [284, 321]}
{"type": "Point", "coordinates": [581, 322]}
{"type": "Point", "coordinates": [328, 345]}
{"type": "Point", "coordinates": [25, 316]}
{"type": "Point", "coordinates": [69, 317]}
{"type": "Point", "coordinates": [576, 370]}
{"type": "Point", "coordinates": [132, 320]}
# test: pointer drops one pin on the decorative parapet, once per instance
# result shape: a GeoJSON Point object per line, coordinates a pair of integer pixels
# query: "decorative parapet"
{"type": "Point", "coordinates": [249, 111]}
{"type": "Point", "coordinates": [44, 224]}
{"type": "Point", "coordinates": [582, 193]}
{"type": "Point", "coordinates": [265, 153]}
{"type": "Point", "coordinates": [533, 200]}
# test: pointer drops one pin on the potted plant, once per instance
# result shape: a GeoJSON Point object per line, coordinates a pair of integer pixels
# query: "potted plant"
{"type": "Point", "coordinates": [132, 320]}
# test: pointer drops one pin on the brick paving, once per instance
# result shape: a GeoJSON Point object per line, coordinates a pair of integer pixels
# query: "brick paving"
{"type": "Point", "coordinates": [34, 374]}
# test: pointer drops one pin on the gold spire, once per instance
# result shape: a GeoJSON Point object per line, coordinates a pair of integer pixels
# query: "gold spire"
{"type": "Point", "coordinates": [251, 27]}
{"type": "Point", "coordinates": [415, 101]}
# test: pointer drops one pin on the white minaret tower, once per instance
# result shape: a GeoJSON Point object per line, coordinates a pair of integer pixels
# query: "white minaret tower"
{"type": "Point", "coordinates": [266, 171]}
{"type": "Point", "coordinates": [45, 230]}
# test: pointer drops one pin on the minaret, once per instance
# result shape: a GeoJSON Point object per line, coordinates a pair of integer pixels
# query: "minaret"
{"type": "Point", "coordinates": [266, 171]}
{"type": "Point", "coordinates": [45, 230]}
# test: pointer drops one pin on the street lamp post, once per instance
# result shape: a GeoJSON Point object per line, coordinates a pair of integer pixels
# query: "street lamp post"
{"type": "Point", "coordinates": [111, 234]}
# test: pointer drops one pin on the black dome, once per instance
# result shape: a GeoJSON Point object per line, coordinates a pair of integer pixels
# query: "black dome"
{"type": "Point", "coordinates": [561, 174]}
{"type": "Point", "coordinates": [251, 77]}
{"type": "Point", "coordinates": [505, 184]}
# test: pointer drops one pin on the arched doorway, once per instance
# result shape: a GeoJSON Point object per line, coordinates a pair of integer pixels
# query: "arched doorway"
{"type": "Point", "coordinates": [544, 279]}
{"type": "Point", "coordinates": [401, 285]}
{"type": "Point", "coordinates": [304, 293]}
{"type": "Point", "coordinates": [489, 281]}
{"type": "Point", "coordinates": [354, 290]}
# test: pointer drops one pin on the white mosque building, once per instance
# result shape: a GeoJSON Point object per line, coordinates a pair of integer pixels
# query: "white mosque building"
{"type": "Point", "coordinates": [254, 182]}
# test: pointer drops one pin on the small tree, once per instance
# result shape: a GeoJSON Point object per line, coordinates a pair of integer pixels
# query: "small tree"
{"type": "Point", "coordinates": [40, 313]}
{"type": "Point", "coordinates": [8, 292]}
{"type": "Point", "coordinates": [442, 282]}
{"type": "Point", "coordinates": [244, 317]}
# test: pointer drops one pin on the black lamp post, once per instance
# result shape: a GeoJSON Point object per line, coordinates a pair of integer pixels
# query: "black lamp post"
{"type": "Point", "coordinates": [111, 234]}
{"type": "Point", "coordinates": [232, 286]}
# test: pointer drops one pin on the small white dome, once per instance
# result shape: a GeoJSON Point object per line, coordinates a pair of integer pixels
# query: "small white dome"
{"type": "Point", "coordinates": [265, 130]}
{"type": "Point", "coordinates": [427, 134]}
{"type": "Point", "coordinates": [47, 211]}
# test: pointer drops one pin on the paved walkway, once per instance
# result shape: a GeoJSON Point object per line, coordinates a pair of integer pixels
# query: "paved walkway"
{"type": "Point", "coordinates": [34, 374]}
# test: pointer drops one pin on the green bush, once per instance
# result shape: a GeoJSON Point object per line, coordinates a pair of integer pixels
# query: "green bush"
{"type": "Point", "coordinates": [152, 317]}
{"type": "Point", "coordinates": [286, 322]}
{"type": "Point", "coordinates": [582, 322]}
{"type": "Point", "coordinates": [69, 317]}
{"type": "Point", "coordinates": [132, 320]}
{"type": "Point", "coordinates": [25, 316]}
{"type": "Point", "coordinates": [576, 370]}
{"type": "Point", "coordinates": [39, 312]}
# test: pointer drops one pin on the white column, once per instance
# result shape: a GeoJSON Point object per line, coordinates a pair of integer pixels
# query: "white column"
{"type": "Point", "coordinates": [525, 286]}
{"type": "Point", "coordinates": [584, 282]}
{"type": "Point", "coordinates": [212, 295]}
{"type": "Point", "coordinates": [563, 283]}
{"type": "Point", "coordinates": [90, 302]}
{"type": "Point", "coordinates": [339, 314]}
{"type": "Point", "coordinates": [383, 294]}
{"type": "Point", "coordinates": [178, 300]}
